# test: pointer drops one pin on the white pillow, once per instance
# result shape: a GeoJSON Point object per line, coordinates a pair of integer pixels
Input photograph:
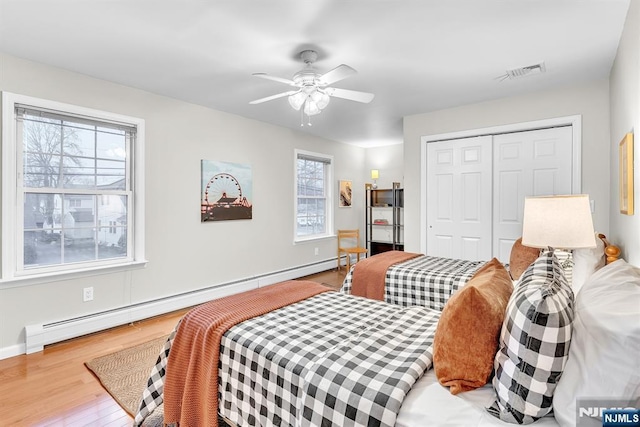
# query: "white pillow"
{"type": "Point", "coordinates": [587, 261]}
{"type": "Point", "coordinates": [604, 358]}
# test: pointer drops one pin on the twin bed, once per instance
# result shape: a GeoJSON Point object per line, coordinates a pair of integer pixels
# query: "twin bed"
{"type": "Point", "coordinates": [309, 356]}
{"type": "Point", "coordinates": [418, 280]}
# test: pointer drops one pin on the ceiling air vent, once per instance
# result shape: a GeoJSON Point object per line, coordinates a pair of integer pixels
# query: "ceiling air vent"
{"type": "Point", "coordinates": [516, 73]}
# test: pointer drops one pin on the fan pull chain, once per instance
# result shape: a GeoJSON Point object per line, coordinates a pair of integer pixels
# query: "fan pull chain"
{"type": "Point", "coordinates": [302, 117]}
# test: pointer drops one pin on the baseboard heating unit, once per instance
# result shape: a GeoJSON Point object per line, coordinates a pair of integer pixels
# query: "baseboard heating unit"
{"type": "Point", "coordinates": [39, 335]}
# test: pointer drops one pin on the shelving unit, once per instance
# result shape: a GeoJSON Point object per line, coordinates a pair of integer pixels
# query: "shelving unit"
{"type": "Point", "coordinates": [384, 223]}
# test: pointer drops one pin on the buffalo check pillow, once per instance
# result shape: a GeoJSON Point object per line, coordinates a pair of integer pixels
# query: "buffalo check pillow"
{"type": "Point", "coordinates": [534, 343]}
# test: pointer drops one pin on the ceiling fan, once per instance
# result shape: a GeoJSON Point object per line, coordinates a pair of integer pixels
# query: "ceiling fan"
{"type": "Point", "coordinates": [312, 89]}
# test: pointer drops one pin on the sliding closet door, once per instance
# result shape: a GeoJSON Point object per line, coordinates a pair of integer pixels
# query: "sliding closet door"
{"type": "Point", "coordinates": [532, 163]}
{"type": "Point", "coordinates": [459, 198]}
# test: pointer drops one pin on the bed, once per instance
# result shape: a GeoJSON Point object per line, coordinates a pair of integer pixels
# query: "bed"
{"type": "Point", "coordinates": [337, 359]}
{"type": "Point", "coordinates": [409, 279]}
{"type": "Point", "coordinates": [282, 367]}
{"type": "Point", "coordinates": [416, 280]}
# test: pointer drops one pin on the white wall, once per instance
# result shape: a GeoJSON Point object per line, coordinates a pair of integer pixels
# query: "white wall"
{"type": "Point", "coordinates": [184, 254]}
{"type": "Point", "coordinates": [589, 100]}
{"type": "Point", "coordinates": [625, 117]}
{"type": "Point", "coordinates": [389, 161]}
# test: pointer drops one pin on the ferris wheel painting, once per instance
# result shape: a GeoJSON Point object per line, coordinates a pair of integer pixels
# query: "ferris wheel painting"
{"type": "Point", "coordinates": [225, 191]}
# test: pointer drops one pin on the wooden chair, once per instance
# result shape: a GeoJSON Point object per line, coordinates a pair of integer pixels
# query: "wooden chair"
{"type": "Point", "coordinates": [352, 236]}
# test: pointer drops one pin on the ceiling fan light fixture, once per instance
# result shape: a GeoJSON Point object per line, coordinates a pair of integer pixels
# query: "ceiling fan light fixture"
{"type": "Point", "coordinates": [297, 99]}
{"type": "Point", "coordinates": [311, 108]}
{"type": "Point", "coordinates": [320, 98]}
{"type": "Point", "coordinates": [311, 93]}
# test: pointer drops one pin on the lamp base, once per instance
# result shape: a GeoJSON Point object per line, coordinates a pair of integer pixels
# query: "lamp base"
{"type": "Point", "coordinates": [374, 186]}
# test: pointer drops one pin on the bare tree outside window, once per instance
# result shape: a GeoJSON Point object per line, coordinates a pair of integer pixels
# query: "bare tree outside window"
{"type": "Point", "coordinates": [45, 141]}
{"type": "Point", "coordinates": [73, 189]}
{"type": "Point", "coordinates": [67, 166]}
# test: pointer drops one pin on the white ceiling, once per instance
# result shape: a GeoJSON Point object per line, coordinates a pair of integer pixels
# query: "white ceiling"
{"type": "Point", "coordinates": [415, 55]}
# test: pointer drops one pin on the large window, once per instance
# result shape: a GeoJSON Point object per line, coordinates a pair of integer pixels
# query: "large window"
{"type": "Point", "coordinates": [314, 211]}
{"type": "Point", "coordinates": [72, 173]}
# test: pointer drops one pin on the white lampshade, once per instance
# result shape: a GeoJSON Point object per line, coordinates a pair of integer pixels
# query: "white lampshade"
{"type": "Point", "coordinates": [562, 222]}
{"type": "Point", "coordinates": [297, 99]}
{"type": "Point", "coordinates": [311, 108]}
{"type": "Point", "coordinates": [321, 99]}
{"type": "Point", "coordinates": [375, 174]}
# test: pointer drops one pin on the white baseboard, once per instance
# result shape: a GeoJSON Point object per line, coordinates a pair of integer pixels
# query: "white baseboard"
{"type": "Point", "coordinates": [11, 351]}
{"type": "Point", "coordinates": [39, 335]}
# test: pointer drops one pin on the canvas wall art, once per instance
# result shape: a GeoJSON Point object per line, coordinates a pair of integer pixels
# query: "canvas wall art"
{"type": "Point", "coordinates": [345, 194]}
{"type": "Point", "coordinates": [225, 191]}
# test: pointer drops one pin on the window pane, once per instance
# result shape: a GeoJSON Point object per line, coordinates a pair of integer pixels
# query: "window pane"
{"type": "Point", "coordinates": [41, 135]}
{"type": "Point", "coordinates": [319, 227]}
{"type": "Point", "coordinates": [80, 247]}
{"type": "Point", "coordinates": [111, 174]}
{"type": "Point", "coordinates": [112, 211]}
{"type": "Point", "coordinates": [78, 212]}
{"type": "Point", "coordinates": [41, 249]}
{"type": "Point", "coordinates": [73, 216]}
{"type": "Point", "coordinates": [311, 207]}
{"type": "Point", "coordinates": [39, 210]}
{"type": "Point", "coordinates": [303, 206]}
{"type": "Point", "coordinates": [318, 188]}
{"type": "Point", "coordinates": [84, 141]}
{"type": "Point", "coordinates": [73, 155]}
{"type": "Point", "coordinates": [111, 146]}
{"type": "Point", "coordinates": [112, 242]}
{"type": "Point", "coordinates": [79, 172]}
{"type": "Point", "coordinates": [42, 170]}
{"type": "Point", "coordinates": [304, 227]}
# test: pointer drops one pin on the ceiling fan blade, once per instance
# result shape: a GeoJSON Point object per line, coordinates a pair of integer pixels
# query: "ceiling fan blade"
{"type": "Point", "coordinates": [272, 97]}
{"type": "Point", "coordinates": [340, 72]}
{"type": "Point", "coordinates": [275, 79]}
{"type": "Point", "coordinates": [352, 95]}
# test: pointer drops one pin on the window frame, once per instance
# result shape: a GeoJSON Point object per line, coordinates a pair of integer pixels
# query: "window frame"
{"type": "Point", "coordinates": [328, 187]}
{"type": "Point", "coordinates": [12, 221]}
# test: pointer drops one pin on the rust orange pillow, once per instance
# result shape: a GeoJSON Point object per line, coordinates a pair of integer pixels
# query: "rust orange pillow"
{"type": "Point", "coordinates": [466, 339]}
{"type": "Point", "coordinates": [521, 258]}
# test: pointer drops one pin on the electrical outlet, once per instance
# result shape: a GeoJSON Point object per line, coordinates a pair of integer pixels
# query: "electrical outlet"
{"type": "Point", "coordinates": [87, 294]}
{"type": "Point", "coordinates": [316, 252]}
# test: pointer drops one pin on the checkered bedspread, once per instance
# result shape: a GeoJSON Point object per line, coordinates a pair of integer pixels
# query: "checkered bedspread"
{"type": "Point", "coordinates": [424, 281]}
{"type": "Point", "coordinates": [331, 359]}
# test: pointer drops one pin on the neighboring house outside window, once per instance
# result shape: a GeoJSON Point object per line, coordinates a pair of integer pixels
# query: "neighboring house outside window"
{"type": "Point", "coordinates": [314, 208]}
{"type": "Point", "coordinates": [74, 173]}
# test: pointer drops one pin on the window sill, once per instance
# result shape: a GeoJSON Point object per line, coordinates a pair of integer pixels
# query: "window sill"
{"type": "Point", "coordinates": [36, 279]}
{"type": "Point", "coordinates": [299, 240]}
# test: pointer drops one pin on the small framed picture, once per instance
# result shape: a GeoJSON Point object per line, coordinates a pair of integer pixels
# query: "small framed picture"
{"type": "Point", "coordinates": [626, 174]}
{"type": "Point", "coordinates": [344, 196]}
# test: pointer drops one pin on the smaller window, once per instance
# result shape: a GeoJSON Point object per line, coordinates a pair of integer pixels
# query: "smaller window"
{"type": "Point", "coordinates": [314, 210]}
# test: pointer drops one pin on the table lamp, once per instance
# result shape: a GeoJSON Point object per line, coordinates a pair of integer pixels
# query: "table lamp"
{"type": "Point", "coordinates": [374, 176]}
{"type": "Point", "coordinates": [560, 222]}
